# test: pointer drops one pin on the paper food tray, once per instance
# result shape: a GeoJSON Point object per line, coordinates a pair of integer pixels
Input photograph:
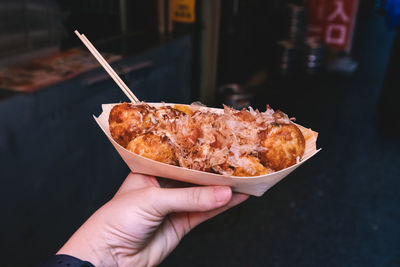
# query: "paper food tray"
{"type": "Point", "coordinates": [256, 185]}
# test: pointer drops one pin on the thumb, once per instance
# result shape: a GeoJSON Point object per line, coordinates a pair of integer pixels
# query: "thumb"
{"type": "Point", "coordinates": [192, 199]}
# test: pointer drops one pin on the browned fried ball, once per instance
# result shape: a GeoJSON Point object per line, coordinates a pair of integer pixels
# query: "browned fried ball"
{"type": "Point", "coordinates": [153, 147]}
{"type": "Point", "coordinates": [284, 143]}
{"type": "Point", "coordinates": [251, 167]}
{"type": "Point", "coordinates": [127, 120]}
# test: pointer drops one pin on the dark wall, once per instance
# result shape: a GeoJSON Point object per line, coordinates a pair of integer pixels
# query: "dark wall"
{"type": "Point", "coordinates": [57, 167]}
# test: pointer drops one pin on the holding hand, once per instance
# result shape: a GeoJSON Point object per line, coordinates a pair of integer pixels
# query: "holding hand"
{"type": "Point", "coordinates": [143, 223]}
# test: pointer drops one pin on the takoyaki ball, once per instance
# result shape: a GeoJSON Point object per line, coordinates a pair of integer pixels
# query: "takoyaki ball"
{"type": "Point", "coordinates": [153, 147]}
{"type": "Point", "coordinates": [283, 144]}
{"type": "Point", "coordinates": [250, 166]}
{"type": "Point", "coordinates": [127, 120]}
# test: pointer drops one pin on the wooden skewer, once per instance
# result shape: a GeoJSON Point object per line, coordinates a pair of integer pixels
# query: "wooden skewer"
{"type": "Point", "coordinates": [108, 68]}
{"type": "Point", "coordinates": [110, 71]}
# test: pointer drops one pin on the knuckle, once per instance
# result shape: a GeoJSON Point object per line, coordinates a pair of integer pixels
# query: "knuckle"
{"type": "Point", "coordinates": [150, 200]}
{"type": "Point", "coordinates": [196, 197]}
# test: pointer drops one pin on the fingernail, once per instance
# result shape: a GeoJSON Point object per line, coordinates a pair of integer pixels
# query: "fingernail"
{"type": "Point", "coordinates": [222, 193]}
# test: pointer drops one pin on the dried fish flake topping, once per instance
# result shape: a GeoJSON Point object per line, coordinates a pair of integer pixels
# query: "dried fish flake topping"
{"type": "Point", "coordinates": [208, 141]}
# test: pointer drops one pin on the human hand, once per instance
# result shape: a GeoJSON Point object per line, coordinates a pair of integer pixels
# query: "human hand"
{"type": "Point", "coordinates": [143, 223]}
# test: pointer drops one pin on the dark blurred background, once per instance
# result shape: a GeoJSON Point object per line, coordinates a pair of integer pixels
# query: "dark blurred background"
{"type": "Point", "coordinates": [333, 64]}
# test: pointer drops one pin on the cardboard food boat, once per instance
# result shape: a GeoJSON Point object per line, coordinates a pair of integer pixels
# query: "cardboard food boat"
{"type": "Point", "coordinates": [256, 185]}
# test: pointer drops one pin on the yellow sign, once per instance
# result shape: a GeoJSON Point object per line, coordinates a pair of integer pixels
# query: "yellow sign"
{"type": "Point", "coordinates": [182, 10]}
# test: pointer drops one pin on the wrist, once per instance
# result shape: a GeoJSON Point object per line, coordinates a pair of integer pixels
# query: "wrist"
{"type": "Point", "coordinates": [85, 244]}
{"type": "Point", "coordinates": [124, 257]}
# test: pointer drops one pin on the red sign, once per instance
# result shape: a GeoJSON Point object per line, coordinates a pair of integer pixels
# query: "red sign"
{"type": "Point", "coordinates": [316, 19]}
{"type": "Point", "coordinates": [332, 21]}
